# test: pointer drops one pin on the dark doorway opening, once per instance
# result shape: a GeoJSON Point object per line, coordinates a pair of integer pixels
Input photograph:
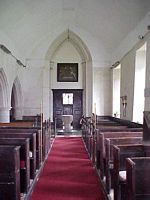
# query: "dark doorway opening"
{"type": "Point", "coordinates": [67, 102]}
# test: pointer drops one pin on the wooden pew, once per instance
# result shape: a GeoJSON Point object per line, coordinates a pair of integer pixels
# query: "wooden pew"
{"type": "Point", "coordinates": [101, 146]}
{"type": "Point", "coordinates": [92, 136]}
{"type": "Point", "coordinates": [94, 140]}
{"type": "Point", "coordinates": [120, 153]}
{"type": "Point", "coordinates": [9, 173]}
{"type": "Point", "coordinates": [109, 123]}
{"type": "Point", "coordinates": [24, 160]}
{"type": "Point", "coordinates": [23, 130]}
{"type": "Point", "coordinates": [109, 143]}
{"type": "Point", "coordinates": [91, 126]}
{"type": "Point", "coordinates": [86, 131]}
{"type": "Point", "coordinates": [36, 119]}
{"type": "Point", "coordinates": [124, 122]}
{"type": "Point", "coordinates": [42, 137]}
{"type": "Point", "coordinates": [18, 123]}
{"type": "Point", "coordinates": [138, 181]}
{"type": "Point", "coordinates": [32, 147]}
{"type": "Point", "coordinates": [46, 138]}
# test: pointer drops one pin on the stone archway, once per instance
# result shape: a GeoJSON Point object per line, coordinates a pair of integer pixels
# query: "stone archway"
{"type": "Point", "coordinates": [16, 101]}
{"type": "Point", "coordinates": [86, 58]}
{"type": "Point", "coordinates": [4, 98]}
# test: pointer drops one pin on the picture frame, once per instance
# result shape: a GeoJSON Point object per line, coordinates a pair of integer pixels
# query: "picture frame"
{"type": "Point", "coordinates": [67, 72]}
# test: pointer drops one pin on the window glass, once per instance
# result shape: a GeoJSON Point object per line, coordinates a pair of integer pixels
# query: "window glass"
{"type": "Point", "coordinates": [67, 98]}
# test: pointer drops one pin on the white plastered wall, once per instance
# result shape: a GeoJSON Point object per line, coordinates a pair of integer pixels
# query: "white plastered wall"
{"type": "Point", "coordinates": [127, 77]}
{"type": "Point", "coordinates": [33, 88]}
{"type": "Point", "coordinates": [147, 83]}
{"type": "Point", "coordinates": [9, 70]}
{"type": "Point", "coordinates": [102, 93]}
{"type": "Point", "coordinates": [127, 83]}
{"type": "Point", "coordinates": [66, 54]}
{"type": "Point", "coordinates": [74, 50]}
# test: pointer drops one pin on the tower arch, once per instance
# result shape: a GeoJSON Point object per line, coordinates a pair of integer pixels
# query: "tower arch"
{"type": "Point", "coordinates": [86, 63]}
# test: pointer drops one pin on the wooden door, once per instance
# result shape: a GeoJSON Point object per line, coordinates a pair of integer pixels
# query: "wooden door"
{"type": "Point", "coordinates": [60, 108]}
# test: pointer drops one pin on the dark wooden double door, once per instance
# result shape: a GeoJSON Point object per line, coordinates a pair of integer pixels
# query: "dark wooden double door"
{"type": "Point", "coordinates": [75, 109]}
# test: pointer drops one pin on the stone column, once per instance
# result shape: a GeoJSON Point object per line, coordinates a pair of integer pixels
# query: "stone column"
{"type": "Point", "coordinates": [5, 115]}
{"type": "Point", "coordinates": [18, 113]}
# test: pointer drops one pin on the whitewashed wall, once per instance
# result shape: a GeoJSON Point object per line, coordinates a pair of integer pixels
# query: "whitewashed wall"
{"type": "Point", "coordinates": [147, 84]}
{"type": "Point", "coordinates": [102, 93]}
{"type": "Point", "coordinates": [127, 83]}
{"type": "Point", "coordinates": [10, 70]}
{"type": "Point", "coordinates": [127, 77]}
{"type": "Point", "coordinates": [66, 54]}
{"type": "Point", "coordinates": [32, 88]}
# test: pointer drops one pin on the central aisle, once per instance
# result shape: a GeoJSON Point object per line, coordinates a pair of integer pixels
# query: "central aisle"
{"type": "Point", "coordinates": [68, 173]}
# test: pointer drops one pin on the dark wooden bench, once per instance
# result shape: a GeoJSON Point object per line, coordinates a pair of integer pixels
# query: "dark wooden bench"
{"type": "Point", "coordinates": [92, 139]}
{"type": "Point", "coordinates": [23, 130]}
{"type": "Point", "coordinates": [120, 153]}
{"type": "Point", "coordinates": [91, 128]}
{"type": "Point", "coordinates": [32, 147]}
{"type": "Point", "coordinates": [124, 122]}
{"type": "Point", "coordinates": [24, 160]}
{"type": "Point", "coordinates": [9, 173]}
{"type": "Point", "coordinates": [100, 124]}
{"type": "Point", "coordinates": [109, 143]}
{"type": "Point", "coordinates": [100, 152]}
{"type": "Point", "coordinates": [42, 138]}
{"type": "Point", "coordinates": [18, 123]}
{"type": "Point", "coordinates": [91, 136]}
{"type": "Point", "coordinates": [138, 181]}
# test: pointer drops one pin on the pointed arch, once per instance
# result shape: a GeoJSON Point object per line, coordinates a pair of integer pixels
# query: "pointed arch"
{"type": "Point", "coordinates": [75, 40]}
{"type": "Point", "coordinates": [86, 58]}
{"type": "Point", "coordinates": [17, 92]}
{"type": "Point", "coordinates": [4, 95]}
{"type": "Point", "coordinates": [16, 100]}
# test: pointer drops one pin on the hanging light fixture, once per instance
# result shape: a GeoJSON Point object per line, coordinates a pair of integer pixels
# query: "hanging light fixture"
{"type": "Point", "coordinates": [5, 49]}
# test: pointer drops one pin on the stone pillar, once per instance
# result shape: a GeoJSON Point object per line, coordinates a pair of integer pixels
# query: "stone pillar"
{"type": "Point", "coordinates": [4, 115]}
{"type": "Point", "coordinates": [18, 113]}
{"type": "Point", "coordinates": [147, 82]}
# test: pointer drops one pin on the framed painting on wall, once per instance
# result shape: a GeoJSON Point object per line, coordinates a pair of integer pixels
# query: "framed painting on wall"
{"type": "Point", "coordinates": [67, 72]}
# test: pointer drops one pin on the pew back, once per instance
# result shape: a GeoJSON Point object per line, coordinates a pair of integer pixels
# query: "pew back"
{"type": "Point", "coordinates": [138, 181]}
{"type": "Point", "coordinates": [32, 146]}
{"type": "Point", "coordinates": [120, 153]}
{"type": "Point", "coordinates": [9, 173]}
{"type": "Point", "coordinates": [24, 160]}
{"type": "Point", "coordinates": [16, 130]}
{"type": "Point", "coordinates": [101, 145]}
{"type": "Point", "coordinates": [109, 143]}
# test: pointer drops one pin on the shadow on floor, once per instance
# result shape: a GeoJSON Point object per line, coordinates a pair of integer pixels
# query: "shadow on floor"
{"type": "Point", "coordinates": [72, 132]}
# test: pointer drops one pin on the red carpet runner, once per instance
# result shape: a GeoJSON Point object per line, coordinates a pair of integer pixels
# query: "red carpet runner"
{"type": "Point", "coordinates": [68, 174]}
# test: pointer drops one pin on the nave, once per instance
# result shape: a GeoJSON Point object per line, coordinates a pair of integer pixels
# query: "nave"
{"type": "Point", "coordinates": [68, 173]}
{"type": "Point", "coordinates": [72, 58]}
{"type": "Point", "coordinates": [109, 160]}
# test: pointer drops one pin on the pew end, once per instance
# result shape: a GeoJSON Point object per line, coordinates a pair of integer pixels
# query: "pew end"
{"type": "Point", "coordinates": [138, 181]}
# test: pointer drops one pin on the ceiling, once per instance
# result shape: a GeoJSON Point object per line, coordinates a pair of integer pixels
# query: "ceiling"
{"type": "Point", "coordinates": [30, 25]}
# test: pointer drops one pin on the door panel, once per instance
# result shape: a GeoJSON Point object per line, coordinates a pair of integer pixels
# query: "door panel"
{"type": "Point", "coordinates": [59, 109]}
{"type": "Point", "coordinates": [77, 108]}
{"type": "Point", "coordinates": [67, 109]}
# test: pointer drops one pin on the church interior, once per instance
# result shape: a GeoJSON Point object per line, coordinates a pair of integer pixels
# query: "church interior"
{"type": "Point", "coordinates": [74, 100]}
